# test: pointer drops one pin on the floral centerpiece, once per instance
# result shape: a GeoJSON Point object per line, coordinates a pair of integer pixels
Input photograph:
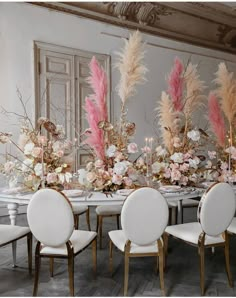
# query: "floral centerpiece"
{"type": "Point", "coordinates": [178, 159]}
{"type": "Point", "coordinates": [111, 145]}
{"type": "Point", "coordinates": [221, 164]}
{"type": "Point", "coordinates": [38, 160]}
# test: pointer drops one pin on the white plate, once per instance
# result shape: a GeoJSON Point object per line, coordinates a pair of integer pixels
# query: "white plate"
{"type": "Point", "coordinates": [73, 193]}
{"type": "Point", "coordinates": [124, 192]}
{"type": "Point", "coordinates": [170, 188]}
{"type": "Point", "coordinates": [207, 183]}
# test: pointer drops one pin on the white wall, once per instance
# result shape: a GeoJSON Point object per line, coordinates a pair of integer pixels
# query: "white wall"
{"type": "Point", "coordinates": [21, 24]}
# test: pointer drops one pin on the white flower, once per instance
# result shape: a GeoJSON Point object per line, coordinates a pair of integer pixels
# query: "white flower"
{"type": "Point", "coordinates": [177, 157]}
{"type": "Point", "coordinates": [110, 152]}
{"type": "Point", "coordinates": [211, 154]}
{"type": "Point", "coordinates": [82, 176]}
{"type": "Point", "coordinates": [157, 167]}
{"type": "Point", "coordinates": [58, 170]}
{"type": "Point", "coordinates": [132, 148]}
{"type": "Point", "coordinates": [194, 135]}
{"type": "Point", "coordinates": [38, 169]}
{"type": "Point", "coordinates": [161, 151]}
{"type": "Point", "coordinates": [28, 148]}
{"type": "Point", "coordinates": [27, 165]}
{"type": "Point", "coordinates": [57, 146]}
{"type": "Point", "coordinates": [121, 167]}
{"type": "Point", "coordinates": [89, 166]}
{"type": "Point", "coordinates": [193, 163]}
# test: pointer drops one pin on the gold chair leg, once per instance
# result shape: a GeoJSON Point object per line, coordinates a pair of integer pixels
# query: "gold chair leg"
{"type": "Point", "coordinates": [94, 248]}
{"type": "Point", "coordinates": [161, 265]}
{"type": "Point", "coordinates": [76, 219]}
{"type": "Point", "coordinates": [110, 257]}
{"type": "Point", "coordinates": [51, 267]}
{"type": "Point", "coordinates": [100, 231]}
{"type": "Point", "coordinates": [201, 252]}
{"type": "Point", "coordinates": [71, 274]}
{"type": "Point", "coordinates": [126, 277]}
{"type": "Point", "coordinates": [88, 219]}
{"type": "Point", "coordinates": [29, 249]}
{"type": "Point", "coordinates": [118, 221]}
{"type": "Point", "coordinates": [227, 262]}
{"type": "Point", "coordinates": [37, 268]}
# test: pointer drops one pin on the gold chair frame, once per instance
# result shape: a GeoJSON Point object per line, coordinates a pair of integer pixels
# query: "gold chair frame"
{"type": "Point", "coordinates": [76, 219]}
{"type": "Point", "coordinates": [160, 260]}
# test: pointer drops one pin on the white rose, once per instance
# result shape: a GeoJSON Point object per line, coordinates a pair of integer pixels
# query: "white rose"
{"type": "Point", "coordinates": [161, 151]}
{"type": "Point", "coordinates": [177, 157]}
{"type": "Point", "coordinates": [38, 169]}
{"type": "Point", "coordinates": [27, 165]}
{"type": "Point", "coordinates": [194, 135]}
{"type": "Point", "coordinates": [121, 167]}
{"type": "Point", "coordinates": [110, 152]}
{"type": "Point", "coordinates": [132, 148]}
{"type": "Point", "coordinates": [157, 167]}
{"type": "Point", "coordinates": [28, 148]}
{"type": "Point", "coordinates": [193, 163]}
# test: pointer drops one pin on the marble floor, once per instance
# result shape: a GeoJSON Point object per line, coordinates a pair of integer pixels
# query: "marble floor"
{"type": "Point", "coordinates": [181, 275]}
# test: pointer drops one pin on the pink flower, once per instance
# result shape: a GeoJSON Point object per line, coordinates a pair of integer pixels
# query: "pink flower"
{"type": "Point", "coordinates": [177, 142]}
{"type": "Point", "coordinates": [51, 178]}
{"type": "Point", "coordinates": [132, 148]}
{"type": "Point", "coordinates": [128, 181]}
{"type": "Point", "coordinates": [175, 175]}
{"type": "Point", "coordinates": [167, 173]}
{"type": "Point", "coordinates": [98, 163]}
{"type": "Point", "coordinates": [224, 166]}
{"type": "Point", "coordinates": [211, 154]}
{"type": "Point", "coordinates": [140, 162]}
{"type": "Point", "coordinates": [117, 179]}
{"type": "Point", "coordinates": [37, 152]}
{"type": "Point", "coordinates": [99, 183]}
{"type": "Point", "coordinates": [60, 153]}
{"type": "Point", "coordinates": [146, 149]}
{"type": "Point", "coordinates": [132, 173]}
{"type": "Point", "coordinates": [42, 140]}
{"type": "Point", "coordinates": [183, 180]}
{"type": "Point", "coordinates": [91, 176]}
{"type": "Point", "coordinates": [187, 156]}
{"type": "Point", "coordinates": [118, 156]}
{"type": "Point", "coordinates": [184, 167]}
{"type": "Point", "coordinates": [174, 166]}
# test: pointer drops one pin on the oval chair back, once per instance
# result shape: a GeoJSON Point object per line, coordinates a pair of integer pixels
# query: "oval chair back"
{"type": "Point", "coordinates": [216, 209]}
{"type": "Point", "coordinates": [50, 217]}
{"type": "Point", "coordinates": [144, 216]}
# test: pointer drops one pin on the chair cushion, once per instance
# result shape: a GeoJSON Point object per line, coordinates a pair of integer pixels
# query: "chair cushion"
{"type": "Point", "coordinates": [119, 240]}
{"type": "Point", "coordinates": [79, 209]}
{"type": "Point", "coordinates": [79, 239]}
{"type": "Point", "coordinates": [9, 233]}
{"type": "Point", "coordinates": [108, 209]}
{"type": "Point", "coordinates": [232, 226]}
{"type": "Point", "coordinates": [190, 232]}
{"type": "Point", "coordinates": [185, 203]}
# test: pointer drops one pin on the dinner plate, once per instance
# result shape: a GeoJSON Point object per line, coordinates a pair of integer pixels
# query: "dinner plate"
{"type": "Point", "coordinates": [170, 188]}
{"type": "Point", "coordinates": [124, 192]}
{"type": "Point", "coordinates": [73, 193]}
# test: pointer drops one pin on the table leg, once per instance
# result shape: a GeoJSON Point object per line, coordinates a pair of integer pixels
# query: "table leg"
{"type": "Point", "coordinates": [12, 211]}
{"type": "Point", "coordinates": [180, 212]}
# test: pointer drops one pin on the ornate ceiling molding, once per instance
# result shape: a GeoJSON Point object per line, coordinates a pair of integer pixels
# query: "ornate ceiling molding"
{"type": "Point", "coordinates": [211, 25]}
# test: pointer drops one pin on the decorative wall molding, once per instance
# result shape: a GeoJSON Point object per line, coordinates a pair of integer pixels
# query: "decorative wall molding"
{"type": "Point", "coordinates": [207, 24]}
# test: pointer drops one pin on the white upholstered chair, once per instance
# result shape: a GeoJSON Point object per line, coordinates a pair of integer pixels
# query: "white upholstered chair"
{"type": "Point", "coordinates": [215, 212]}
{"type": "Point", "coordinates": [10, 234]}
{"type": "Point", "coordinates": [107, 211]}
{"type": "Point", "coordinates": [144, 217]}
{"type": "Point", "coordinates": [51, 221]}
{"type": "Point", "coordinates": [78, 210]}
{"type": "Point", "coordinates": [232, 227]}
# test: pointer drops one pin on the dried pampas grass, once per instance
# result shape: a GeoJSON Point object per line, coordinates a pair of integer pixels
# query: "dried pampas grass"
{"type": "Point", "coordinates": [194, 89]}
{"type": "Point", "coordinates": [226, 91]}
{"type": "Point", "coordinates": [166, 120]}
{"type": "Point", "coordinates": [131, 67]}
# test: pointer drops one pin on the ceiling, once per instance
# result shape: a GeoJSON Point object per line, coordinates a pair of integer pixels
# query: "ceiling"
{"type": "Point", "coordinates": [208, 24]}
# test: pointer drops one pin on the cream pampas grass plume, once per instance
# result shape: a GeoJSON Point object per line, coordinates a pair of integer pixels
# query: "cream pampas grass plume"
{"type": "Point", "coordinates": [131, 67]}
{"type": "Point", "coordinates": [226, 91]}
{"type": "Point", "coordinates": [166, 120]}
{"type": "Point", "coordinates": [194, 89]}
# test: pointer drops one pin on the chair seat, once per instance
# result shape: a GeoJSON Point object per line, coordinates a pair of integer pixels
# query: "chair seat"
{"type": "Point", "coordinates": [119, 240]}
{"type": "Point", "coordinates": [190, 232]}
{"type": "Point", "coordinates": [79, 209]}
{"type": "Point", "coordinates": [79, 239]}
{"type": "Point", "coordinates": [232, 226]}
{"type": "Point", "coordinates": [9, 233]}
{"type": "Point", "coordinates": [185, 203]}
{"type": "Point", "coordinates": [109, 209]}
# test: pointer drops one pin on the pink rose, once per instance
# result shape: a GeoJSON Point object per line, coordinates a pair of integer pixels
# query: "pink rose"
{"type": "Point", "coordinates": [117, 179]}
{"type": "Point", "coordinates": [187, 156]}
{"type": "Point", "coordinates": [132, 148]}
{"type": "Point", "coordinates": [140, 162]}
{"type": "Point", "coordinates": [183, 180]}
{"type": "Point", "coordinates": [119, 156]}
{"type": "Point", "coordinates": [51, 178]}
{"type": "Point", "coordinates": [146, 149]}
{"type": "Point", "coordinates": [128, 181]}
{"type": "Point", "coordinates": [60, 153]}
{"type": "Point", "coordinates": [99, 163]}
{"type": "Point", "coordinates": [167, 173]}
{"type": "Point", "coordinates": [184, 167]}
{"type": "Point", "coordinates": [175, 175]}
{"type": "Point", "coordinates": [37, 152]}
{"type": "Point", "coordinates": [91, 176]}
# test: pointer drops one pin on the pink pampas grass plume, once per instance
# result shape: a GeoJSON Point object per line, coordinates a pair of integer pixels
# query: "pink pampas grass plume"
{"type": "Point", "coordinates": [216, 119]}
{"type": "Point", "coordinates": [176, 83]}
{"type": "Point", "coordinates": [95, 139]}
{"type": "Point", "coordinates": [98, 82]}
